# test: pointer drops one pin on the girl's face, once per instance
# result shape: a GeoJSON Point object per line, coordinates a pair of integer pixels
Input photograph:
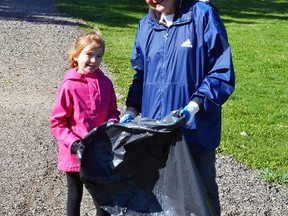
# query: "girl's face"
{"type": "Point", "coordinates": [90, 58]}
{"type": "Point", "coordinates": [165, 7]}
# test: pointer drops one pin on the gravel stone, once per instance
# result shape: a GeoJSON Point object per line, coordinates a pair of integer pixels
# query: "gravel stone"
{"type": "Point", "coordinates": [35, 39]}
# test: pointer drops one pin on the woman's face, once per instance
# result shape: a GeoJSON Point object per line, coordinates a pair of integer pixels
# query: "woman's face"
{"type": "Point", "coordinates": [165, 7]}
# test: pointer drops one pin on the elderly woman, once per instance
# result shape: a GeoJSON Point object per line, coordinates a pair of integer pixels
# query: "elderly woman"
{"type": "Point", "coordinates": [182, 61]}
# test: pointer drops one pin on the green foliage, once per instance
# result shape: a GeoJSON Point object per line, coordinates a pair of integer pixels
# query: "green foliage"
{"type": "Point", "coordinates": [257, 32]}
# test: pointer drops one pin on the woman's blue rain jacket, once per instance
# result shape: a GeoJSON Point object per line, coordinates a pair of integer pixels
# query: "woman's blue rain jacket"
{"type": "Point", "coordinates": [189, 60]}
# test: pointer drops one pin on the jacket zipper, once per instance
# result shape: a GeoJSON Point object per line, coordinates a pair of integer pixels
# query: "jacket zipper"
{"type": "Point", "coordinates": [163, 74]}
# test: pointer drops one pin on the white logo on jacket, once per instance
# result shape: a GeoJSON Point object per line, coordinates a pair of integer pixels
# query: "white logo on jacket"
{"type": "Point", "coordinates": [187, 43]}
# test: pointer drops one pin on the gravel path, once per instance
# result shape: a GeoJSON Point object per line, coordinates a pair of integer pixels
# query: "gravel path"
{"type": "Point", "coordinates": [34, 40]}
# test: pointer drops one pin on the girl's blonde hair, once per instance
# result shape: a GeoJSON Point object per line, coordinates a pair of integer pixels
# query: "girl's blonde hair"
{"type": "Point", "coordinates": [82, 41]}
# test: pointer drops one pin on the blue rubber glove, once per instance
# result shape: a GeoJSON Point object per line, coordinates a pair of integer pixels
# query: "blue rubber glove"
{"type": "Point", "coordinates": [127, 116]}
{"type": "Point", "coordinates": [189, 111]}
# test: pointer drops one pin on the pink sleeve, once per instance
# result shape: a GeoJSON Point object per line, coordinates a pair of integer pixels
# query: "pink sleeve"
{"type": "Point", "coordinates": [114, 113]}
{"type": "Point", "coordinates": [61, 116]}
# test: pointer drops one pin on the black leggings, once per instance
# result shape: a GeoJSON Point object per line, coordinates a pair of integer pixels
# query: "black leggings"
{"type": "Point", "coordinates": [75, 193]}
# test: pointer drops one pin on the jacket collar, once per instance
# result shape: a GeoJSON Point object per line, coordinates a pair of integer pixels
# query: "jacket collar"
{"type": "Point", "coordinates": [74, 75]}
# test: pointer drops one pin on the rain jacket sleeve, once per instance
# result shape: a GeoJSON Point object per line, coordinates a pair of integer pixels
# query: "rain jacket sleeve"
{"type": "Point", "coordinates": [134, 98]}
{"type": "Point", "coordinates": [219, 83]}
{"type": "Point", "coordinates": [59, 118]}
{"type": "Point", "coordinates": [113, 114]}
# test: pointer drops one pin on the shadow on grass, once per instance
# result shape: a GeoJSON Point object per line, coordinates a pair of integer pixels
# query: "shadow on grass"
{"type": "Point", "coordinates": [41, 12]}
{"type": "Point", "coordinates": [239, 11]}
{"type": "Point", "coordinates": [124, 13]}
{"type": "Point", "coordinates": [113, 13]}
{"type": "Point", "coordinates": [121, 13]}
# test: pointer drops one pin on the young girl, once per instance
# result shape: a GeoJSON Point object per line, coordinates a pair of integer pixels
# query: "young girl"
{"type": "Point", "coordinates": [86, 99]}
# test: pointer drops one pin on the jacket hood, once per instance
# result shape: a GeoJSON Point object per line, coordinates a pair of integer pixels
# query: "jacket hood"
{"type": "Point", "coordinates": [72, 74]}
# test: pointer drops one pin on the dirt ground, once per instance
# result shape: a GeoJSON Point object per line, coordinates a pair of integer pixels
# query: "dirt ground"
{"type": "Point", "coordinates": [34, 40]}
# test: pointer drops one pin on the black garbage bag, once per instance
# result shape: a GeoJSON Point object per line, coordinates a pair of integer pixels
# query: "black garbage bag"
{"type": "Point", "coordinates": [143, 167]}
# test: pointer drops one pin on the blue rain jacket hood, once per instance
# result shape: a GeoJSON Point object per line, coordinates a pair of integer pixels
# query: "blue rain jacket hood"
{"type": "Point", "coordinates": [190, 60]}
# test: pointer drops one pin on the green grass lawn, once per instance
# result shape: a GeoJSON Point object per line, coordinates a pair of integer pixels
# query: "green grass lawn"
{"type": "Point", "coordinates": [257, 32]}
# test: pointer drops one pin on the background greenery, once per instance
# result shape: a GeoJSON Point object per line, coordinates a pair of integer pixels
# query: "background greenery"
{"type": "Point", "coordinates": [255, 120]}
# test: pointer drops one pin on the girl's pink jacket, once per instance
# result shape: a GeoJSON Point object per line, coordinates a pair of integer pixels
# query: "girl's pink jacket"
{"type": "Point", "coordinates": [84, 102]}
